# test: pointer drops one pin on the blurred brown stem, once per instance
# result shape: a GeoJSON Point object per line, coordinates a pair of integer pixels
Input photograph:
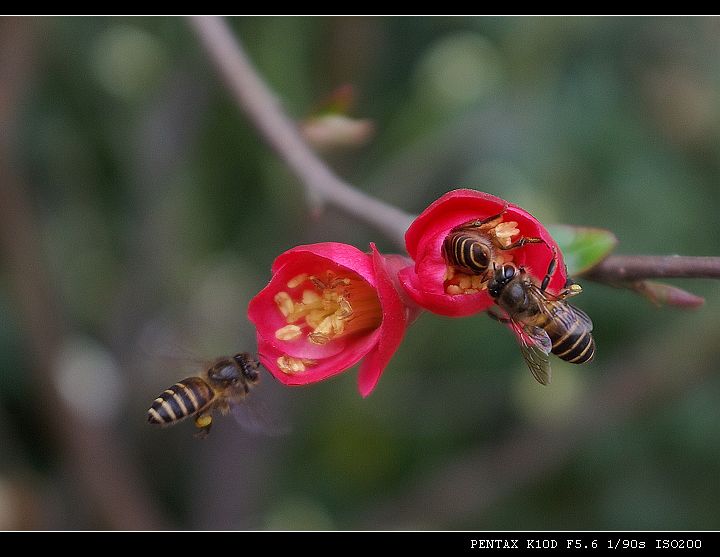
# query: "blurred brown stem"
{"type": "Point", "coordinates": [110, 485]}
{"type": "Point", "coordinates": [625, 268]}
{"type": "Point", "coordinates": [265, 111]}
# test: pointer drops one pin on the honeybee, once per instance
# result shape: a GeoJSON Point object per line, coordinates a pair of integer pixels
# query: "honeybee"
{"type": "Point", "coordinates": [543, 323]}
{"type": "Point", "coordinates": [220, 387]}
{"type": "Point", "coordinates": [472, 246]}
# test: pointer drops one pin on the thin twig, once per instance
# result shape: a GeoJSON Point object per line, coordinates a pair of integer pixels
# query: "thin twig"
{"type": "Point", "coordinates": [625, 268]}
{"type": "Point", "coordinates": [266, 113]}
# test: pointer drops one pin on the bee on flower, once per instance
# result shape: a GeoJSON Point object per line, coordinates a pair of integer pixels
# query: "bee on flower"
{"type": "Point", "coordinates": [458, 241]}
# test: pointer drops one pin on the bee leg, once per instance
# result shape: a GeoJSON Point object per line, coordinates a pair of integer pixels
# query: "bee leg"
{"type": "Point", "coordinates": [522, 241]}
{"type": "Point", "coordinates": [571, 288]}
{"type": "Point", "coordinates": [203, 422]}
{"type": "Point", "coordinates": [550, 271]}
{"type": "Point", "coordinates": [478, 222]}
{"type": "Point", "coordinates": [320, 285]}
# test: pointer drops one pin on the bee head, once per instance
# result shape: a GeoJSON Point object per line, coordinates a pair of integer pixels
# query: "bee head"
{"type": "Point", "coordinates": [502, 276]}
{"type": "Point", "coordinates": [249, 365]}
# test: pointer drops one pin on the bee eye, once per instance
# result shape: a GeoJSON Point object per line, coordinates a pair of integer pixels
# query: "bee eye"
{"type": "Point", "coordinates": [509, 271]}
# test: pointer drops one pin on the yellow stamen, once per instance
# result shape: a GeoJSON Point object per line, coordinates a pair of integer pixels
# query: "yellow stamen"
{"type": "Point", "coordinates": [335, 307]}
{"type": "Point", "coordinates": [284, 303]}
{"type": "Point", "coordinates": [314, 318]}
{"type": "Point", "coordinates": [465, 282]}
{"type": "Point", "coordinates": [346, 310]}
{"type": "Point", "coordinates": [292, 366]}
{"type": "Point", "coordinates": [505, 231]}
{"type": "Point", "coordinates": [297, 280]}
{"type": "Point", "coordinates": [310, 297]}
{"type": "Point", "coordinates": [288, 332]}
{"type": "Point", "coordinates": [453, 289]}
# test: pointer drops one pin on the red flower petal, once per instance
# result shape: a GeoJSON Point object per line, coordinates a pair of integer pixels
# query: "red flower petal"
{"type": "Point", "coordinates": [392, 329]}
{"type": "Point", "coordinates": [343, 255]}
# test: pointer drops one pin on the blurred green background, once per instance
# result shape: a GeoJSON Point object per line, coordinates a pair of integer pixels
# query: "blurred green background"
{"type": "Point", "coordinates": [157, 211]}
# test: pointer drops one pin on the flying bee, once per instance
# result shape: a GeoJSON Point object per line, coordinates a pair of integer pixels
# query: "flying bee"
{"type": "Point", "coordinates": [472, 247]}
{"type": "Point", "coordinates": [542, 322]}
{"type": "Point", "coordinates": [221, 387]}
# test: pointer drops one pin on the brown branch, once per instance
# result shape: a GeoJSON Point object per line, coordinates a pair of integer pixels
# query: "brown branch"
{"type": "Point", "coordinates": [627, 268]}
{"type": "Point", "coordinates": [104, 476]}
{"type": "Point", "coordinates": [265, 111]}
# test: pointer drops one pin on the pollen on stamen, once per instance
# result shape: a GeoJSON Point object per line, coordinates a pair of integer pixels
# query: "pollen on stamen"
{"type": "Point", "coordinates": [505, 231]}
{"type": "Point", "coordinates": [318, 338]}
{"type": "Point", "coordinates": [322, 333]}
{"type": "Point", "coordinates": [346, 309]}
{"type": "Point", "coordinates": [315, 317]}
{"type": "Point", "coordinates": [284, 303]}
{"type": "Point", "coordinates": [292, 366]}
{"type": "Point", "coordinates": [476, 281]}
{"type": "Point", "coordinates": [297, 280]}
{"type": "Point", "coordinates": [288, 332]}
{"type": "Point", "coordinates": [465, 282]}
{"type": "Point", "coordinates": [310, 297]}
{"type": "Point", "coordinates": [453, 289]}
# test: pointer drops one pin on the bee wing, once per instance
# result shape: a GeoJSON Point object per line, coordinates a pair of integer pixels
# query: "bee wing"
{"type": "Point", "coordinates": [254, 413]}
{"type": "Point", "coordinates": [535, 345]}
{"type": "Point", "coordinates": [556, 308]}
{"type": "Point", "coordinates": [254, 419]}
{"type": "Point", "coordinates": [581, 316]}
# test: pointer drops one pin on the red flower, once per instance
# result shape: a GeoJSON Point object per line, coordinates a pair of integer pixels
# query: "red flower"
{"type": "Point", "coordinates": [442, 288]}
{"type": "Point", "coordinates": [326, 307]}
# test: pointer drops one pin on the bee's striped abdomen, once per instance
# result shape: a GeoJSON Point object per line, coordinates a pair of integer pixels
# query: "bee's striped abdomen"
{"type": "Point", "coordinates": [465, 251]}
{"type": "Point", "coordinates": [183, 399]}
{"type": "Point", "coordinates": [575, 344]}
